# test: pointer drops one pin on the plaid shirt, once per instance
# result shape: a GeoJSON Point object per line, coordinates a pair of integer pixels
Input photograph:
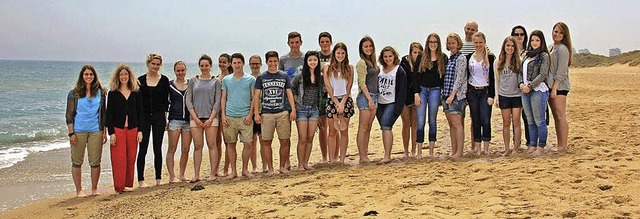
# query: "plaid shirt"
{"type": "Point", "coordinates": [450, 75]}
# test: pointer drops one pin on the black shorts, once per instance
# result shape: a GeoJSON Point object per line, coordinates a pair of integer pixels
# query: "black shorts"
{"type": "Point", "coordinates": [509, 102]}
{"type": "Point", "coordinates": [562, 92]}
{"type": "Point", "coordinates": [257, 128]}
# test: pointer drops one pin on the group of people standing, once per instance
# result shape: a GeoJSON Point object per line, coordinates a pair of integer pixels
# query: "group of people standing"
{"type": "Point", "coordinates": [314, 89]}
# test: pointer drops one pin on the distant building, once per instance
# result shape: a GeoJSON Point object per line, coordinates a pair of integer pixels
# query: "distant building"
{"type": "Point", "coordinates": [614, 52]}
{"type": "Point", "coordinates": [584, 51]}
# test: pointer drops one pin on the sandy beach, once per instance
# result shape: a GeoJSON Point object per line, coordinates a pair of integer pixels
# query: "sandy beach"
{"type": "Point", "coordinates": [597, 178]}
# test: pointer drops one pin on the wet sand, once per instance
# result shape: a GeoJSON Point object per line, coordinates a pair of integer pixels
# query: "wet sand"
{"type": "Point", "coordinates": [597, 178]}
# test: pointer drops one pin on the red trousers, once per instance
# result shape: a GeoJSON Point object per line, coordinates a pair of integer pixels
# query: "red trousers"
{"type": "Point", "coordinates": [123, 158]}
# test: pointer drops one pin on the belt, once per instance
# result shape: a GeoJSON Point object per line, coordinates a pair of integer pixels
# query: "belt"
{"type": "Point", "coordinates": [479, 88]}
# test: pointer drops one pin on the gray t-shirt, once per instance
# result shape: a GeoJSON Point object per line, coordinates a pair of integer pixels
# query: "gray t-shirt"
{"type": "Point", "coordinates": [203, 96]}
{"type": "Point", "coordinates": [508, 84]}
{"type": "Point", "coordinates": [290, 65]}
{"type": "Point", "coordinates": [274, 89]}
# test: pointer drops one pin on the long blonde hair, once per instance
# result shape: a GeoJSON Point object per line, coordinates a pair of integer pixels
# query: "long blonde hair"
{"type": "Point", "coordinates": [342, 67]}
{"type": "Point", "coordinates": [114, 82]}
{"type": "Point", "coordinates": [485, 60]}
{"type": "Point", "coordinates": [414, 45]}
{"type": "Point", "coordinates": [426, 63]}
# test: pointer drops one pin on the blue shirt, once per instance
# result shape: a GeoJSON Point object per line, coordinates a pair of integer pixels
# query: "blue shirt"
{"type": "Point", "coordinates": [238, 94]}
{"type": "Point", "coordinates": [87, 112]}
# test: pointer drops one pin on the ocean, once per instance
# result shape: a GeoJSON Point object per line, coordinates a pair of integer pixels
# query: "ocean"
{"type": "Point", "coordinates": [35, 162]}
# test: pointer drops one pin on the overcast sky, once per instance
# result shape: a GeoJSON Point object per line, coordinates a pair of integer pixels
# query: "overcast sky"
{"type": "Point", "coordinates": [118, 30]}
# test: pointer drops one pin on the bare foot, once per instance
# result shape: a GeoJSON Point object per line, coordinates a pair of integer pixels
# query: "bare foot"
{"type": "Point", "coordinates": [158, 182]}
{"type": "Point", "coordinates": [183, 179]}
{"type": "Point", "coordinates": [141, 184]}
{"type": "Point", "coordinates": [419, 156]}
{"type": "Point", "coordinates": [195, 180]}
{"type": "Point", "coordinates": [507, 153]}
{"type": "Point", "coordinates": [221, 175]}
{"type": "Point", "coordinates": [457, 155]}
{"type": "Point", "coordinates": [431, 154]}
{"type": "Point", "coordinates": [406, 154]}
{"type": "Point", "coordinates": [561, 150]}
{"type": "Point", "coordinates": [255, 170]}
{"type": "Point", "coordinates": [283, 170]}
{"type": "Point", "coordinates": [175, 180]}
{"type": "Point", "coordinates": [80, 194]}
{"type": "Point", "coordinates": [95, 193]}
{"type": "Point", "coordinates": [485, 152]}
{"type": "Point", "coordinates": [300, 169]}
{"type": "Point", "coordinates": [384, 161]}
{"type": "Point", "coordinates": [212, 178]}
{"type": "Point", "coordinates": [531, 150]}
{"type": "Point", "coordinates": [309, 168]}
{"type": "Point", "coordinates": [247, 174]}
{"type": "Point", "coordinates": [270, 173]}
{"type": "Point", "coordinates": [231, 176]}
{"type": "Point", "coordinates": [127, 189]}
{"type": "Point", "coordinates": [539, 152]}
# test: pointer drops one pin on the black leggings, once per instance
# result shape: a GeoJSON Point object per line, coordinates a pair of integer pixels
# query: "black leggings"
{"type": "Point", "coordinates": [156, 122]}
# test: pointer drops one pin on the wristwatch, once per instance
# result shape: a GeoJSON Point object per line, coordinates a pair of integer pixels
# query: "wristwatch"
{"type": "Point", "coordinates": [71, 134]}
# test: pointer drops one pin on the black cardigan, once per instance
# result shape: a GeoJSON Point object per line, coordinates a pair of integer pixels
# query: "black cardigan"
{"type": "Point", "coordinates": [158, 100]}
{"type": "Point", "coordinates": [401, 91]}
{"type": "Point", "coordinates": [492, 81]}
{"type": "Point", "coordinates": [118, 108]}
{"type": "Point", "coordinates": [412, 85]}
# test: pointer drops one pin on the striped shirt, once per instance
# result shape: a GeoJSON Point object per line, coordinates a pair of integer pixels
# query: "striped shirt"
{"type": "Point", "coordinates": [467, 48]}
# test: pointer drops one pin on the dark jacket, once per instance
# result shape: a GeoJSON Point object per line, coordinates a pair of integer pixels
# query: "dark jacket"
{"type": "Point", "coordinates": [412, 85]}
{"type": "Point", "coordinates": [401, 91]}
{"type": "Point", "coordinates": [118, 108]}
{"type": "Point", "coordinates": [177, 107]}
{"type": "Point", "coordinates": [72, 105]}
{"type": "Point", "coordinates": [156, 101]}
{"type": "Point", "coordinates": [492, 81]}
{"type": "Point", "coordinates": [297, 87]}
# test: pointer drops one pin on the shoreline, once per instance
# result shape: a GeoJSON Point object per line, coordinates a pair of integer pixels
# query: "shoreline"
{"type": "Point", "coordinates": [593, 179]}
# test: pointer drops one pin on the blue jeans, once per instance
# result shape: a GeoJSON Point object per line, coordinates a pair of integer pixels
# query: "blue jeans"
{"type": "Point", "coordinates": [386, 117]}
{"type": "Point", "coordinates": [307, 113]}
{"type": "Point", "coordinates": [534, 105]}
{"type": "Point", "coordinates": [480, 114]}
{"type": "Point", "coordinates": [429, 96]}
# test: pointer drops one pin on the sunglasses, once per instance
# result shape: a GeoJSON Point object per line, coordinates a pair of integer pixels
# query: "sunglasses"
{"type": "Point", "coordinates": [255, 63]}
{"type": "Point", "coordinates": [518, 34]}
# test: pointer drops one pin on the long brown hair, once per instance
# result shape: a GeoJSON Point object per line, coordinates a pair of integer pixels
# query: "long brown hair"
{"type": "Point", "coordinates": [426, 63]}
{"type": "Point", "coordinates": [80, 90]}
{"type": "Point", "coordinates": [566, 38]}
{"type": "Point", "coordinates": [414, 45]}
{"type": "Point", "coordinates": [515, 61]}
{"type": "Point", "coordinates": [342, 67]}
{"type": "Point", "coordinates": [370, 60]}
{"type": "Point", "coordinates": [114, 83]}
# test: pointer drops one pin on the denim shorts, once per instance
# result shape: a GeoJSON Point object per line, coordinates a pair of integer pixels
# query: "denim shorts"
{"type": "Point", "coordinates": [509, 102]}
{"type": "Point", "coordinates": [362, 101]}
{"type": "Point", "coordinates": [307, 113]}
{"type": "Point", "coordinates": [175, 125]}
{"type": "Point", "coordinates": [456, 107]}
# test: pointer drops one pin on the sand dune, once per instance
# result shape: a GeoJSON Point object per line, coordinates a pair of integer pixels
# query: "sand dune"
{"type": "Point", "coordinates": [597, 178]}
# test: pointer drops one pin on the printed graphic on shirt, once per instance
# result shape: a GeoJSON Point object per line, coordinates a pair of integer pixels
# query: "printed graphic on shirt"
{"type": "Point", "coordinates": [273, 94]}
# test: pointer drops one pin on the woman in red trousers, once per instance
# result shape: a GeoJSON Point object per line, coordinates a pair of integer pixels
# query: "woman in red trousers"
{"type": "Point", "coordinates": [124, 115]}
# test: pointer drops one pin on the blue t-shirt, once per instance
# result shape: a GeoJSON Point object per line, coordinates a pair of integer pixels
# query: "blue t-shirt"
{"type": "Point", "coordinates": [238, 94]}
{"type": "Point", "coordinates": [87, 112]}
{"type": "Point", "coordinates": [274, 89]}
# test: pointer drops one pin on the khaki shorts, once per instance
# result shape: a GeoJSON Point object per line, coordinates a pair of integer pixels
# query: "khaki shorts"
{"type": "Point", "coordinates": [276, 122]}
{"type": "Point", "coordinates": [192, 124]}
{"type": "Point", "coordinates": [236, 126]}
{"type": "Point", "coordinates": [92, 141]}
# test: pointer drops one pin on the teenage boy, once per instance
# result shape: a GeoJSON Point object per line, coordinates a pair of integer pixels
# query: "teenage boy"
{"type": "Point", "coordinates": [274, 88]}
{"type": "Point", "coordinates": [325, 41]}
{"type": "Point", "coordinates": [255, 63]}
{"type": "Point", "coordinates": [292, 62]}
{"type": "Point", "coordinates": [236, 112]}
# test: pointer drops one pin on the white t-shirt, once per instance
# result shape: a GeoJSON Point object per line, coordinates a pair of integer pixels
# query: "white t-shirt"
{"type": "Point", "coordinates": [479, 73]}
{"type": "Point", "coordinates": [387, 86]}
{"type": "Point", "coordinates": [542, 87]}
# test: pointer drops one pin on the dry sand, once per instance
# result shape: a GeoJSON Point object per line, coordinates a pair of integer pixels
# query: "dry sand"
{"type": "Point", "coordinates": [597, 178]}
